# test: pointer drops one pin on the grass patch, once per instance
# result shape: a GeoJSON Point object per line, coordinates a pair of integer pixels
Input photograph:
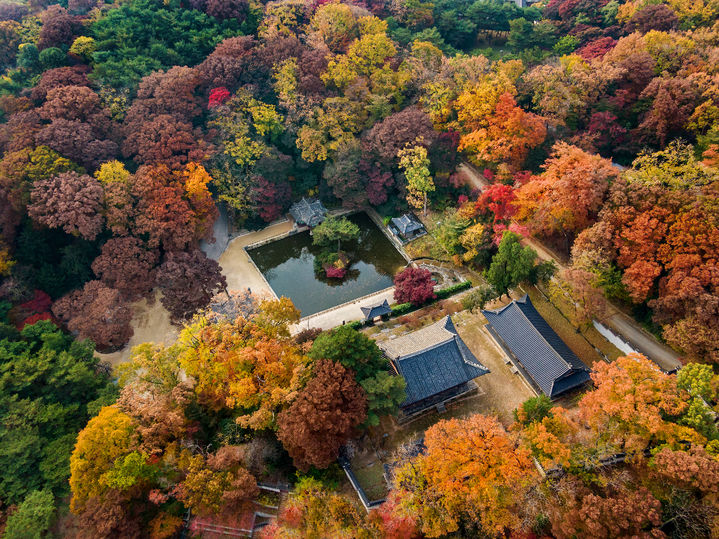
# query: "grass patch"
{"type": "Point", "coordinates": [590, 333]}
{"type": "Point", "coordinates": [568, 333]}
{"type": "Point", "coordinates": [425, 247]}
{"type": "Point", "coordinates": [371, 479]}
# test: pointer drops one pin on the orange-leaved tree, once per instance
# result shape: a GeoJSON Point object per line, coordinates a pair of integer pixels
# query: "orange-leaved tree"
{"type": "Point", "coordinates": [247, 365]}
{"type": "Point", "coordinates": [473, 472]}
{"type": "Point", "coordinates": [634, 403]}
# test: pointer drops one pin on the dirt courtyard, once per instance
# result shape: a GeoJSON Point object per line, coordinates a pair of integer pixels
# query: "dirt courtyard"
{"type": "Point", "coordinates": [151, 323]}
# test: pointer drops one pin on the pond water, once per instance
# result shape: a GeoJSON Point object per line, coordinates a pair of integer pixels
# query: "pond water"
{"type": "Point", "coordinates": [287, 264]}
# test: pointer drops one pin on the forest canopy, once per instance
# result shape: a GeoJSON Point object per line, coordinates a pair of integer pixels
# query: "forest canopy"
{"type": "Point", "coordinates": [127, 127]}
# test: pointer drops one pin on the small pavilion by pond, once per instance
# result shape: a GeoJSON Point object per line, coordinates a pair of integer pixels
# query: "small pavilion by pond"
{"type": "Point", "coordinates": [537, 351]}
{"type": "Point", "coordinates": [407, 227]}
{"type": "Point", "coordinates": [308, 212]}
{"type": "Point", "coordinates": [374, 311]}
{"type": "Point", "coordinates": [436, 364]}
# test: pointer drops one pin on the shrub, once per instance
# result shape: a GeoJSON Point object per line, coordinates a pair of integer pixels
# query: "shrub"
{"type": "Point", "coordinates": [401, 308]}
{"type": "Point", "coordinates": [307, 335]}
{"type": "Point", "coordinates": [357, 324]}
{"type": "Point", "coordinates": [453, 289]}
{"type": "Point", "coordinates": [533, 410]}
{"type": "Point", "coordinates": [478, 298]}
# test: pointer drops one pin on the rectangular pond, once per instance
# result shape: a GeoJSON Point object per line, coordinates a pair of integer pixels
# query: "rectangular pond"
{"type": "Point", "coordinates": [288, 266]}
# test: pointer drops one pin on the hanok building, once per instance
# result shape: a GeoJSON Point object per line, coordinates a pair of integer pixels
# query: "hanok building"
{"type": "Point", "coordinates": [308, 212]}
{"type": "Point", "coordinates": [375, 311]}
{"type": "Point", "coordinates": [435, 363]}
{"type": "Point", "coordinates": [536, 350]}
{"type": "Point", "coordinates": [407, 227]}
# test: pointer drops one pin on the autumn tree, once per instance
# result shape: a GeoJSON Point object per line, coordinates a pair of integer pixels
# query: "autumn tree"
{"type": "Point", "coordinates": [314, 511]}
{"type": "Point", "coordinates": [583, 289]}
{"type": "Point", "coordinates": [333, 230]}
{"type": "Point", "coordinates": [509, 136]}
{"type": "Point", "coordinates": [567, 196]}
{"type": "Point", "coordinates": [58, 27]}
{"type": "Point", "coordinates": [619, 511]}
{"type": "Point", "coordinates": [656, 228]}
{"type": "Point", "coordinates": [390, 136]}
{"type": "Point", "coordinates": [70, 201]}
{"type": "Point", "coordinates": [128, 266]}
{"type": "Point", "coordinates": [98, 313]}
{"type": "Point", "coordinates": [231, 62]}
{"type": "Point", "coordinates": [414, 285]}
{"type": "Point", "coordinates": [174, 207]}
{"type": "Point", "coordinates": [335, 25]}
{"type": "Point", "coordinates": [472, 472]}
{"type": "Point", "coordinates": [674, 100]}
{"type": "Point", "coordinates": [188, 281]}
{"type": "Point", "coordinates": [218, 483]}
{"type": "Point", "coordinates": [105, 438]}
{"type": "Point", "coordinates": [323, 417]}
{"type": "Point", "coordinates": [414, 163]}
{"type": "Point", "coordinates": [243, 366]}
{"type": "Point", "coordinates": [57, 78]}
{"type": "Point", "coordinates": [356, 351]}
{"type": "Point", "coordinates": [631, 403]}
{"type": "Point", "coordinates": [158, 126]}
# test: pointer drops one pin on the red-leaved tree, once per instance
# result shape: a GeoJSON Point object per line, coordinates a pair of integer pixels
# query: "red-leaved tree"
{"type": "Point", "coordinates": [413, 285]}
{"type": "Point", "coordinates": [98, 313]}
{"type": "Point", "coordinates": [127, 265]}
{"type": "Point", "coordinates": [70, 201]}
{"type": "Point", "coordinates": [323, 417]}
{"type": "Point", "coordinates": [188, 282]}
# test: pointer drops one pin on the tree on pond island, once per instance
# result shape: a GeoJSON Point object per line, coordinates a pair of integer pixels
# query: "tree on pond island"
{"type": "Point", "coordinates": [334, 263]}
{"type": "Point", "coordinates": [334, 230]}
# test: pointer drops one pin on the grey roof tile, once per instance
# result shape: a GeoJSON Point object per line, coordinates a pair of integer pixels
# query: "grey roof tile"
{"type": "Point", "coordinates": [543, 354]}
{"type": "Point", "coordinates": [407, 223]}
{"type": "Point", "coordinates": [310, 212]}
{"type": "Point", "coordinates": [432, 360]}
{"type": "Point", "coordinates": [374, 311]}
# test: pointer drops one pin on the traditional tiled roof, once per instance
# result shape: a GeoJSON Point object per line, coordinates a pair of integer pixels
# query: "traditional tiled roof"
{"type": "Point", "coordinates": [374, 311]}
{"type": "Point", "coordinates": [308, 212]}
{"type": "Point", "coordinates": [432, 360]}
{"type": "Point", "coordinates": [552, 366]}
{"type": "Point", "coordinates": [406, 224]}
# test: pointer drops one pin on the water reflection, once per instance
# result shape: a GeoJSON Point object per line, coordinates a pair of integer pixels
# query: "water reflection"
{"type": "Point", "coordinates": [287, 264]}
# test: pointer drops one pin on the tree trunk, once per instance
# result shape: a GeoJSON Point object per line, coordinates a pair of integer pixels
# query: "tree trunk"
{"type": "Point", "coordinates": [425, 203]}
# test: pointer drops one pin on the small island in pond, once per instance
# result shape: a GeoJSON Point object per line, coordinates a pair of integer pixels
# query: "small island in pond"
{"type": "Point", "coordinates": [329, 235]}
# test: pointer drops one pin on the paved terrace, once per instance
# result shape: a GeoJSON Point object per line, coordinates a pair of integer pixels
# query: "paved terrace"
{"type": "Point", "coordinates": [347, 312]}
{"type": "Point", "coordinates": [237, 266]}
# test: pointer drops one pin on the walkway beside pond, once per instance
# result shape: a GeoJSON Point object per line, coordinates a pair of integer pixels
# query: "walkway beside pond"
{"type": "Point", "coordinates": [347, 312]}
{"type": "Point", "coordinates": [237, 266]}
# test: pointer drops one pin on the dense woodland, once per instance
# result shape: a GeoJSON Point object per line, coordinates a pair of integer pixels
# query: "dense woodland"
{"type": "Point", "coordinates": [124, 124]}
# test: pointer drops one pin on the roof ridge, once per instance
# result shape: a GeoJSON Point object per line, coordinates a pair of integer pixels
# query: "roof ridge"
{"type": "Point", "coordinates": [479, 366]}
{"type": "Point", "coordinates": [431, 347]}
{"type": "Point", "coordinates": [569, 367]}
